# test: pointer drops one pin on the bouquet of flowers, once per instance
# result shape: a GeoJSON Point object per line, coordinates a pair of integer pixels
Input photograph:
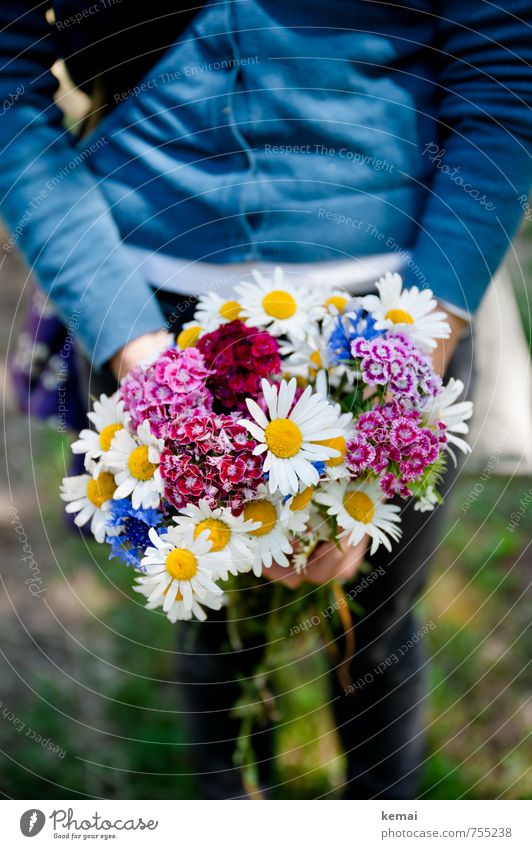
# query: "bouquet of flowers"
{"type": "Point", "coordinates": [288, 416]}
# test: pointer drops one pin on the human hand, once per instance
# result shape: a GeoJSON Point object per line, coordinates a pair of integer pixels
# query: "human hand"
{"type": "Point", "coordinates": [286, 575]}
{"type": "Point", "coordinates": [138, 350]}
{"type": "Point", "coordinates": [443, 351]}
{"type": "Point", "coordinates": [328, 563]}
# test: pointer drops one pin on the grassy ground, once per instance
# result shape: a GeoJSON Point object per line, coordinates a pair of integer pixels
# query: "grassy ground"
{"type": "Point", "coordinates": [85, 667]}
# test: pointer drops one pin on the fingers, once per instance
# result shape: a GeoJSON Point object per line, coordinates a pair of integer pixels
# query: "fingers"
{"type": "Point", "coordinates": [325, 550]}
{"type": "Point", "coordinates": [329, 563]}
{"type": "Point", "coordinates": [138, 350]}
{"type": "Point", "coordinates": [287, 576]}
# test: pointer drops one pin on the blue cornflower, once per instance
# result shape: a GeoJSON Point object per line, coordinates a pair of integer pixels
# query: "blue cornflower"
{"type": "Point", "coordinates": [132, 539]}
{"type": "Point", "coordinates": [320, 466]}
{"type": "Point", "coordinates": [347, 328]}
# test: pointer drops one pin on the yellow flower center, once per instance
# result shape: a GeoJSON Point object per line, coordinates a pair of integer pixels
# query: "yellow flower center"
{"type": "Point", "coordinates": [230, 310]}
{"type": "Point", "coordinates": [302, 499]}
{"type": "Point", "coordinates": [106, 435]}
{"type": "Point", "coordinates": [283, 438]}
{"type": "Point", "coordinates": [219, 532]}
{"type": "Point", "coordinates": [189, 336]}
{"type": "Point", "coordinates": [359, 506]}
{"type": "Point", "coordinates": [101, 489]}
{"type": "Point", "coordinates": [315, 358]}
{"type": "Point", "coordinates": [399, 317]}
{"type": "Point", "coordinates": [337, 301]}
{"type": "Point", "coordinates": [261, 511]}
{"type": "Point", "coordinates": [181, 564]}
{"type": "Point", "coordinates": [139, 465]}
{"type": "Point", "coordinates": [337, 442]}
{"type": "Point", "coordinates": [279, 304]}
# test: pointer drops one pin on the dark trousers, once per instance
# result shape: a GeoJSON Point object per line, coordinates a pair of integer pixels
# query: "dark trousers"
{"type": "Point", "coordinates": [380, 718]}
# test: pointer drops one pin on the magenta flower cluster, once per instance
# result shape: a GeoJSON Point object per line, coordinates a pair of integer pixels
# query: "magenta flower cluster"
{"type": "Point", "coordinates": [394, 361]}
{"type": "Point", "coordinates": [391, 443]}
{"type": "Point", "coordinates": [172, 386]}
{"type": "Point", "coordinates": [209, 456]}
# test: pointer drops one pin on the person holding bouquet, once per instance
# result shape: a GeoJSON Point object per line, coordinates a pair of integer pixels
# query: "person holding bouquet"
{"type": "Point", "coordinates": [346, 144]}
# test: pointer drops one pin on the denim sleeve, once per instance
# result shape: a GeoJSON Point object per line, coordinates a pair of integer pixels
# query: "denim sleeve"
{"type": "Point", "coordinates": [482, 162]}
{"type": "Point", "coordinates": [52, 206]}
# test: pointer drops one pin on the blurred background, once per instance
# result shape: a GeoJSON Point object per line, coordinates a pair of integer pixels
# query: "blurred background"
{"type": "Point", "coordinates": [88, 707]}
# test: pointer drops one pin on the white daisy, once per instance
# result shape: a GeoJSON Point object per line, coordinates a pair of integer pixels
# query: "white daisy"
{"type": "Point", "coordinates": [442, 408]}
{"type": "Point", "coordinates": [232, 548]}
{"type": "Point", "coordinates": [302, 516]}
{"type": "Point", "coordinates": [279, 306]}
{"type": "Point", "coordinates": [108, 417]}
{"type": "Point", "coordinates": [359, 510]}
{"type": "Point", "coordinates": [212, 311]}
{"type": "Point", "coordinates": [178, 610]}
{"type": "Point", "coordinates": [411, 311]}
{"type": "Point", "coordinates": [178, 568]}
{"type": "Point", "coordinates": [135, 463]}
{"type": "Point", "coordinates": [428, 501]}
{"type": "Point", "coordinates": [290, 438]}
{"type": "Point", "coordinates": [89, 497]}
{"type": "Point", "coordinates": [304, 547]}
{"type": "Point", "coordinates": [305, 357]}
{"type": "Point", "coordinates": [334, 303]}
{"type": "Point", "coordinates": [271, 538]}
{"type": "Point", "coordinates": [295, 511]}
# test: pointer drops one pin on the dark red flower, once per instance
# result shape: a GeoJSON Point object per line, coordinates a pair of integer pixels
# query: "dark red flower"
{"type": "Point", "coordinates": [238, 357]}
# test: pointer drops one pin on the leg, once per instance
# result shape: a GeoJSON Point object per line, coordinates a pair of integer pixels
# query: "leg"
{"type": "Point", "coordinates": [208, 673]}
{"type": "Point", "coordinates": [381, 721]}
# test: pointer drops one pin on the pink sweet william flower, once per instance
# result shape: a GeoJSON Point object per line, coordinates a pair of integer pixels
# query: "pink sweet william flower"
{"type": "Point", "coordinates": [190, 482]}
{"type": "Point", "coordinates": [209, 456]}
{"type": "Point", "coordinates": [390, 442]}
{"type": "Point", "coordinates": [412, 468]}
{"type": "Point", "coordinates": [403, 431]}
{"type": "Point", "coordinates": [368, 422]}
{"type": "Point", "coordinates": [232, 470]}
{"type": "Point", "coordinates": [175, 384]}
{"type": "Point", "coordinates": [396, 363]}
{"type": "Point", "coordinates": [392, 486]}
{"type": "Point", "coordinates": [360, 454]}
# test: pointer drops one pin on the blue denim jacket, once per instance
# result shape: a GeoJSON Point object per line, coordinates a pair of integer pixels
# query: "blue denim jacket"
{"type": "Point", "coordinates": [269, 130]}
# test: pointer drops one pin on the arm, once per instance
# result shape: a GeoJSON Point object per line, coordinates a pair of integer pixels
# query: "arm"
{"type": "Point", "coordinates": [52, 205]}
{"type": "Point", "coordinates": [486, 126]}
{"type": "Point", "coordinates": [482, 161]}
